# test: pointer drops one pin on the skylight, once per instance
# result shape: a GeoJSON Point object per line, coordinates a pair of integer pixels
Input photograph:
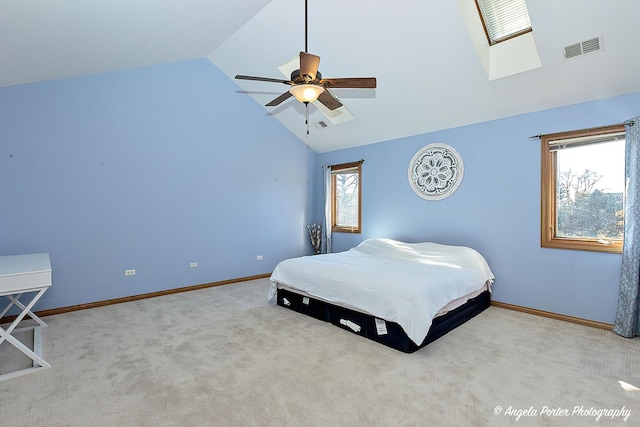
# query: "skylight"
{"type": "Point", "coordinates": [503, 19]}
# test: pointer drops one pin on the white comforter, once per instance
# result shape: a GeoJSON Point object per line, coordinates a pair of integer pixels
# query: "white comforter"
{"type": "Point", "coordinates": [406, 283]}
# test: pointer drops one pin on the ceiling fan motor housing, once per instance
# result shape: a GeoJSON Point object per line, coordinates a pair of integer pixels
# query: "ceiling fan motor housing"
{"type": "Point", "coordinates": [305, 79]}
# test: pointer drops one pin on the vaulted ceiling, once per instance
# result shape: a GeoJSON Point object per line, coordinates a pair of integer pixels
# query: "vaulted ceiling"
{"type": "Point", "coordinates": [433, 70]}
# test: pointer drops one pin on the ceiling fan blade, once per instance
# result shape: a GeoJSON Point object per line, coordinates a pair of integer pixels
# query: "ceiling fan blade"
{"type": "Point", "coordinates": [263, 79]}
{"type": "Point", "coordinates": [309, 65]}
{"type": "Point", "coordinates": [329, 100]}
{"type": "Point", "coordinates": [351, 82]}
{"type": "Point", "coordinates": [279, 99]}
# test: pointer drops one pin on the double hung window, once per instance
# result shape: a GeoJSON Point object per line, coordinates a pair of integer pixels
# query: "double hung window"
{"type": "Point", "coordinates": [346, 197]}
{"type": "Point", "coordinates": [582, 191]}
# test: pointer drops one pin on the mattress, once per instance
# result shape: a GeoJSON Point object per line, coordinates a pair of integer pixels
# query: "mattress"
{"type": "Point", "coordinates": [407, 284]}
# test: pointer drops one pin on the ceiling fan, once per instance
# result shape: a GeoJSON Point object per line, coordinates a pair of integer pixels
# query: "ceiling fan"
{"type": "Point", "coordinates": [307, 83]}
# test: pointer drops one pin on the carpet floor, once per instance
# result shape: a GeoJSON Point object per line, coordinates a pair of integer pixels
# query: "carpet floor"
{"type": "Point", "coordinates": [223, 356]}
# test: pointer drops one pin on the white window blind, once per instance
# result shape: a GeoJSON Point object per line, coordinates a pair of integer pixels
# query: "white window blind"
{"type": "Point", "coordinates": [345, 170]}
{"type": "Point", "coordinates": [504, 19]}
{"type": "Point", "coordinates": [560, 144]}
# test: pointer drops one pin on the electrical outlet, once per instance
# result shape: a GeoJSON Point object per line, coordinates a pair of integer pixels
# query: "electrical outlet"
{"type": "Point", "coordinates": [130, 272]}
{"type": "Point", "coordinates": [193, 265]}
{"type": "Point", "coordinates": [259, 258]}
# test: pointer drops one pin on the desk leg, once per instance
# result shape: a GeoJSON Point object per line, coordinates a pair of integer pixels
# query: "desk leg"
{"type": "Point", "coordinates": [5, 335]}
{"type": "Point", "coordinates": [25, 311]}
{"type": "Point", "coordinates": [23, 348]}
{"type": "Point", "coordinates": [14, 301]}
{"type": "Point", "coordinates": [7, 308]}
{"type": "Point", "coordinates": [37, 346]}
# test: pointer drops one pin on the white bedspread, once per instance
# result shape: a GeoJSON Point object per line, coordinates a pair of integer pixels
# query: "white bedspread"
{"type": "Point", "coordinates": [406, 283]}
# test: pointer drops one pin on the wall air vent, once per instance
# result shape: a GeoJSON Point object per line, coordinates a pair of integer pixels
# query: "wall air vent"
{"type": "Point", "coordinates": [584, 47]}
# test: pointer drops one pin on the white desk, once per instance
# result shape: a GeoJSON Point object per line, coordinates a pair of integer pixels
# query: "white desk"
{"type": "Point", "coordinates": [28, 276]}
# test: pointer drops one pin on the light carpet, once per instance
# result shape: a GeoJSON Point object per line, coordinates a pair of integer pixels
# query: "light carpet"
{"type": "Point", "coordinates": [223, 356]}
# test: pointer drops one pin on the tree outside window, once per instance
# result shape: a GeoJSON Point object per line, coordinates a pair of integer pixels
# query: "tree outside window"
{"type": "Point", "coordinates": [586, 209]}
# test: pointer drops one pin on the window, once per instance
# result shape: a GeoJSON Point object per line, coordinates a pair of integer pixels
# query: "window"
{"type": "Point", "coordinates": [346, 197]}
{"type": "Point", "coordinates": [503, 19]}
{"type": "Point", "coordinates": [582, 189]}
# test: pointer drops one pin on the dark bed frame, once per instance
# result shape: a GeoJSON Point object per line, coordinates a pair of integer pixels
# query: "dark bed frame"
{"type": "Point", "coordinates": [395, 337]}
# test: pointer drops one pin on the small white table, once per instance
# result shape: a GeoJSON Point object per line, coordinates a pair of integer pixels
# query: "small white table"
{"type": "Point", "coordinates": [28, 276]}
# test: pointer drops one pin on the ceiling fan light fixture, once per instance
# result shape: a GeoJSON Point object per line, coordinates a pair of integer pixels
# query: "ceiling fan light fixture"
{"type": "Point", "coordinates": [306, 92]}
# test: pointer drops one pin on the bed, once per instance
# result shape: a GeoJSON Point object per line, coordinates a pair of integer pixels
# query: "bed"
{"type": "Point", "coordinates": [402, 295]}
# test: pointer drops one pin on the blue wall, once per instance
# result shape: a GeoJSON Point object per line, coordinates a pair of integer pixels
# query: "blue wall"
{"type": "Point", "coordinates": [157, 167]}
{"type": "Point", "coordinates": [148, 169]}
{"type": "Point", "coordinates": [496, 210]}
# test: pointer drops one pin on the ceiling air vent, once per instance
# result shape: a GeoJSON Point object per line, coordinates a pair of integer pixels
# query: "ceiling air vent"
{"type": "Point", "coordinates": [582, 48]}
{"type": "Point", "coordinates": [320, 124]}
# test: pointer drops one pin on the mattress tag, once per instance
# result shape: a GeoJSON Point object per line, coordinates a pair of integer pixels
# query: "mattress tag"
{"type": "Point", "coordinates": [349, 324]}
{"type": "Point", "coordinates": [381, 326]}
{"type": "Point", "coordinates": [305, 300]}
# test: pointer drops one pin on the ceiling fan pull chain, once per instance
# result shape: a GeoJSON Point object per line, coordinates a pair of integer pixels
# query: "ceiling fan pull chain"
{"type": "Point", "coordinates": [306, 116]}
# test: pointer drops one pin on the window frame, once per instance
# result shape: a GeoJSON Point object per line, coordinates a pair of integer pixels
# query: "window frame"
{"type": "Point", "coordinates": [548, 199]}
{"type": "Point", "coordinates": [335, 170]}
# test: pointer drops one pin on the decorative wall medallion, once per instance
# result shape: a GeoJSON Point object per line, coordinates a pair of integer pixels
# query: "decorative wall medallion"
{"type": "Point", "coordinates": [435, 171]}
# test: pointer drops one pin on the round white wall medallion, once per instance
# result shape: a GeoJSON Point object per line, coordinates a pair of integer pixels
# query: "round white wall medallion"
{"type": "Point", "coordinates": [435, 171]}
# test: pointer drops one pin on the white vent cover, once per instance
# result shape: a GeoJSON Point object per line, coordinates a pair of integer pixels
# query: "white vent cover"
{"type": "Point", "coordinates": [321, 124]}
{"type": "Point", "coordinates": [584, 47]}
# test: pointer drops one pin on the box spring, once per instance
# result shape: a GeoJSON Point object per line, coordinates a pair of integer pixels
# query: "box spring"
{"type": "Point", "coordinates": [365, 324]}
